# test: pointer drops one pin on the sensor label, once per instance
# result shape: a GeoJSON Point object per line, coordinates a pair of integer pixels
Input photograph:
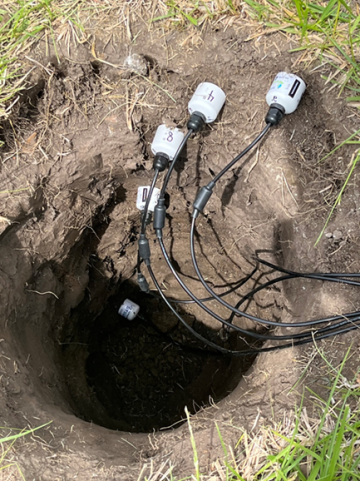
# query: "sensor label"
{"type": "Point", "coordinates": [211, 97]}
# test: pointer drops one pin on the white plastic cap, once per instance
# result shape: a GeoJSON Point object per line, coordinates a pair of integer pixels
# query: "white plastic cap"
{"type": "Point", "coordinates": [129, 310]}
{"type": "Point", "coordinates": [166, 141]}
{"type": "Point", "coordinates": [142, 194]}
{"type": "Point", "coordinates": [286, 90]}
{"type": "Point", "coordinates": [208, 99]}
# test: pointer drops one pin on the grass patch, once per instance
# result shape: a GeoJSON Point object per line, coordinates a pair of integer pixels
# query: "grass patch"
{"type": "Point", "coordinates": [22, 24]}
{"type": "Point", "coordinates": [300, 448]}
{"type": "Point", "coordinates": [327, 31]}
{"type": "Point", "coordinates": [7, 443]}
{"type": "Point", "coordinates": [354, 160]}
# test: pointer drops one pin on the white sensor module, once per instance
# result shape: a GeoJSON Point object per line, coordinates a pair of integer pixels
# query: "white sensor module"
{"type": "Point", "coordinates": [142, 194]}
{"type": "Point", "coordinates": [129, 310]}
{"type": "Point", "coordinates": [286, 90]}
{"type": "Point", "coordinates": [208, 100]}
{"type": "Point", "coordinates": [166, 141]}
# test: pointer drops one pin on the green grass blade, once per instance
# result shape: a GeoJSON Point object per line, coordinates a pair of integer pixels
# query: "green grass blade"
{"type": "Point", "coordinates": [340, 145]}
{"type": "Point", "coordinates": [193, 444]}
{"type": "Point", "coordinates": [20, 435]}
{"type": "Point", "coordinates": [234, 472]}
{"type": "Point", "coordinates": [338, 198]}
{"type": "Point", "coordinates": [352, 99]}
{"type": "Point", "coordinates": [338, 437]}
{"type": "Point", "coordinates": [327, 11]}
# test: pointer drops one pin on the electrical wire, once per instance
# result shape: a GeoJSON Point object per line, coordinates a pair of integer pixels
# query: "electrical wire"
{"type": "Point", "coordinates": [354, 316]}
{"type": "Point", "coordinates": [304, 336]}
{"type": "Point", "coordinates": [248, 351]}
{"type": "Point", "coordinates": [254, 334]}
{"type": "Point", "coordinates": [244, 152]}
{"type": "Point", "coordinates": [339, 324]}
{"type": "Point", "coordinates": [172, 166]}
{"type": "Point", "coordinates": [310, 274]}
{"type": "Point", "coordinates": [258, 319]}
{"type": "Point", "coordinates": [162, 192]}
{"type": "Point", "coordinates": [207, 299]}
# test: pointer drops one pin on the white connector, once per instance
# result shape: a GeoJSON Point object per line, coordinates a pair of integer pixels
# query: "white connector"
{"type": "Point", "coordinates": [142, 194]}
{"type": "Point", "coordinates": [207, 100]}
{"type": "Point", "coordinates": [129, 310]}
{"type": "Point", "coordinates": [286, 91]}
{"type": "Point", "coordinates": [166, 141]}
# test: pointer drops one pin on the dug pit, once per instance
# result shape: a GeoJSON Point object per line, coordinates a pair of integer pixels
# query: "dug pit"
{"type": "Point", "coordinates": [138, 376]}
{"type": "Point", "coordinates": [71, 168]}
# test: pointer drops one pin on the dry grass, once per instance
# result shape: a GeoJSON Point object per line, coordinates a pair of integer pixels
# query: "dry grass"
{"type": "Point", "coordinates": [332, 41]}
{"type": "Point", "coordinates": [300, 446]}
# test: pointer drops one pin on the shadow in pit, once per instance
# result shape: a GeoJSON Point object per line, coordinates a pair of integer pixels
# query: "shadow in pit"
{"type": "Point", "coordinates": [139, 375]}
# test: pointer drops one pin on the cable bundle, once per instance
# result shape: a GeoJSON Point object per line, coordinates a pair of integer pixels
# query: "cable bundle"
{"type": "Point", "coordinates": [315, 329]}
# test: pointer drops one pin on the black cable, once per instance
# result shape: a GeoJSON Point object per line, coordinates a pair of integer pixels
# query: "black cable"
{"type": "Point", "coordinates": [314, 275]}
{"type": "Point", "coordinates": [138, 263]}
{"type": "Point", "coordinates": [256, 335]}
{"type": "Point", "coordinates": [245, 151]}
{"type": "Point", "coordinates": [245, 352]}
{"type": "Point", "coordinates": [171, 168]}
{"type": "Point", "coordinates": [141, 278]}
{"type": "Point", "coordinates": [254, 318]}
{"type": "Point", "coordinates": [355, 316]}
{"type": "Point", "coordinates": [206, 191]}
{"type": "Point", "coordinates": [305, 337]}
{"type": "Point", "coordinates": [274, 281]}
{"type": "Point", "coordinates": [207, 299]}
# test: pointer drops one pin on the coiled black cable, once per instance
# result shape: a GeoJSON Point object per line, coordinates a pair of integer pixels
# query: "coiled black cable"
{"type": "Point", "coordinates": [247, 351]}
{"type": "Point", "coordinates": [258, 319]}
{"type": "Point", "coordinates": [353, 316]}
{"type": "Point", "coordinates": [338, 324]}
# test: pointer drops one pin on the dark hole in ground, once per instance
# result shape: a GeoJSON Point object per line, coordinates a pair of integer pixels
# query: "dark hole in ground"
{"type": "Point", "coordinates": [138, 375]}
{"type": "Point", "coordinates": [141, 374]}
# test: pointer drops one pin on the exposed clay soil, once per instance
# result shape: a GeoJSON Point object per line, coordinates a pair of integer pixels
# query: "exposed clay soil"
{"type": "Point", "coordinates": [76, 150]}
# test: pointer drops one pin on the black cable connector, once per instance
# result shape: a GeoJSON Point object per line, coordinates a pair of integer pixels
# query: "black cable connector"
{"type": "Point", "coordinates": [202, 198]}
{"type": "Point", "coordinates": [275, 114]}
{"type": "Point", "coordinates": [161, 161]}
{"type": "Point", "coordinates": [159, 217]}
{"type": "Point", "coordinates": [196, 121]}
{"type": "Point", "coordinates": [143, 283]}
{"type": "Point", "coordinates": [144, 249]}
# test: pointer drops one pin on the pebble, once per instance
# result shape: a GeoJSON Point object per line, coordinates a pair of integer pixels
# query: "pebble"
{"type": "Point", "coordinates": [337, 234]}
{"type": "Point", "coordinates": [136, 63]}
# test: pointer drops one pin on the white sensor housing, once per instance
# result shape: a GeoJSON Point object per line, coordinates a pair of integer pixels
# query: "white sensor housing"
{"type": "Point", "coordinates": [286, 90]}
{"type": "Point", "coordinates": [166, 141]}
{"type": "Point", "coordinates": [129, 310]}
{"type": "Point", "coordinates": [142, 194]}
{"type": "Point", "coordinates": [208, 100]}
